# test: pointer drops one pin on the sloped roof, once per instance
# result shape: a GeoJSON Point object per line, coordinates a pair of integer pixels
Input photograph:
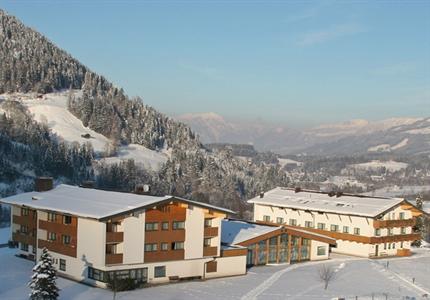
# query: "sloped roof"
{"type": "Point", "coordinates": [93, 203]}
{"type": "Point", "coordinates": [316, 201]}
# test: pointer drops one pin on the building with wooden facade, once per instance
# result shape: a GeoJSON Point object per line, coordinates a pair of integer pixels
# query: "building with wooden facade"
{"type": "Point", "coordinates": [362, 225]}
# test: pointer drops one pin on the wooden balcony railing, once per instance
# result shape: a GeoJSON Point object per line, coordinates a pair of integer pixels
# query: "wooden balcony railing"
{"type": "Point", "coordinates": [114, 237]}
{"type": "Point", "coordinates": [24, 238]}
{"type": "Point", "coordinates": [58, 247]}
{"type": "Point", "coordinates": [234, 252]}
{"type": "Point", "coordinates": [177, 235]}
{"type": "Point", "coordinates": [164, 255]}
{"type": "Point", "coordinates": [210, 251]}
{"type": "Point", "coordinates": [211, 231]}
{"type": "Point", "coordinates": [113, 259]}
{"type": "Point", "coordinates": [393, 223]}
{"type": "Point", "coordinates": [58, 228]}
{"type": "Point", "coordinates": [395, 238]}
{"type": "Point", "coordinates": [25, 220]}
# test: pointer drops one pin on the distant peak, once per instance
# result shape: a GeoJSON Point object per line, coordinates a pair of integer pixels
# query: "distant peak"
{"type": "Point", "coordinates": [203, 116]}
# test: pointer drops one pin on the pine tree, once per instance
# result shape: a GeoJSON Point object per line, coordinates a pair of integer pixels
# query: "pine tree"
{"type": "Point", "coordinates": [42, 284]}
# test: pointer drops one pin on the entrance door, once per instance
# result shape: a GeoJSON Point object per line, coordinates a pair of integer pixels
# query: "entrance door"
{"type": "Point", "coordinates": [250, 258]}
{"type": "Point", "coordinates": [376, 250]}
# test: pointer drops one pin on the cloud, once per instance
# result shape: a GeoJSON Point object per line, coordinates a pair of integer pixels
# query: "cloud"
{"type": "Point", "coordinates": [207, 71]}
{"type": "Point", "coordinates": [396, 69]}
{"type": "Point", "coordinates": [310, 12]}
{"type": "Point", "coordinates": [329, 34]}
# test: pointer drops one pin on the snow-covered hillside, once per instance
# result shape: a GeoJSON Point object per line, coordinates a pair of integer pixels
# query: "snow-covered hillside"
{"type": "Point", "coordinates": [51, 109]}
{"type": "Point", "coordinates": [391, 165]}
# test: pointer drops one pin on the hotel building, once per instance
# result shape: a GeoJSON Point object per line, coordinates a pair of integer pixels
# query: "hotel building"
{"type": "Point", "coordinates": [361, 225]}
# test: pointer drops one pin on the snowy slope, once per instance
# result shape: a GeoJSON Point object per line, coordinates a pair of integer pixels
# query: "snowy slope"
{"type": "Point", "coordinates": [51, 109]}
{"type": "Point", "coordinates": [391, 165]}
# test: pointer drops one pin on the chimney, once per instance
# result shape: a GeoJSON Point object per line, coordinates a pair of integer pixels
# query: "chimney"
{"type": "Point", "coordinates": [331, 194]}
{"type": "Point", "coordinates": [297, 190]}
{"type": "Point", "coordinates": [261, 194]}
{"type": "Point", "coordinates": [142, 189]}
{"type": "Point", "coordinates": [43, 184]}
{"type": "Point", "coordinates": [88, 184]}
{"type": "Point", "coordinates": [339, 194]}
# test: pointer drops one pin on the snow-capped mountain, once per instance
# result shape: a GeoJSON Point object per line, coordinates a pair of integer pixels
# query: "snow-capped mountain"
{"type": "Point", "coordinates": [400, 135]}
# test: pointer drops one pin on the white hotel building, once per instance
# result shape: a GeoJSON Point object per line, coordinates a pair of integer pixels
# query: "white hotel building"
{"type": "Point", "coordinates": [362, 225]}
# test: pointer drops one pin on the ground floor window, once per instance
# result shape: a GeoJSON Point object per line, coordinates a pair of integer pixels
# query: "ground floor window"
{"type": "Point", "coordinates": [139, 275]}
{"type": "Point", "coordinates": [62, 264]}
{"type": "Point", "coordinates": [321, 250]}
{"type": "Point", "coordinates": [160, 271]}
{"type": "Point", "coordinates": [24, 247]}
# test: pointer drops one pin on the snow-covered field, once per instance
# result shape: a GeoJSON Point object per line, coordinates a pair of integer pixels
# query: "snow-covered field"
{"type": "Point", "coordinates": [52, 110]}
{"type": "Point", "coordinates": [285, 161]}
{"type": "Point", "coordinates": [354, 277]}
{"type": "Point", "coordinates": [390, 165]}
{"type": "Point", "coordinates": [397, 191]}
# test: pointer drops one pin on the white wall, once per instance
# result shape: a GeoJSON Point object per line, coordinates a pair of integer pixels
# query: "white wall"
{"type": "Point", "coordinates": [194, 232]}
{"type": "Point", "coordinates": [134, 236]}
{"type": "Point", "coordinates": [314, 249]}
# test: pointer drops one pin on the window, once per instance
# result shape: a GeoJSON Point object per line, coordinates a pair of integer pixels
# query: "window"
{"type": "Point", "coordinates": [23, 229]}
{"type": "Point", "coordinates": [150, 247]}
{"type": "Point", "coordinates": [403, 230]}
{"type": "Point", "coordinates": [207, 242]}
{"type": "Point", "coordinates": [52, 217]}
{"type": "Point", "coordinates": [96, 274]}
{"type": "Point", "coordinates": [24, 247]}
{"type": "Point", "coordinates": [165, 226]}
{"type": "Point", "coordinates": [309, 224]}
{"type": "Point", "coordinates": [321, 226]}
{"type": "Point", "coordinates": [52, 236]}
{"type": "Point", "coordinates": [293, 222]}
{"type": "Point", "coordinates": [111, 249]}
{"type": "Point", "coordinates": [334, 227]}
{"type": "Point", "coordinates": [321, 250]}
{"type": "Point", "coordinates": [401, 244]}
{"type": "Point", "coordinates": [66, 239]}
{"type": "Point", "coordinates": [389, 246]}
{"type": "Point", "coordinates": [394, 246]}
{"type": "Point", "coordinates": [345, 229]}
{"type": "Point", "coordinates": [377, 231]}
{"type": "Point", "coordinates": [160, 271]}
{"type": "Point", "coordinates": [62, 264]}
{"type": "Point", "coordinates": [151, 226]}
{"type": "Point", "coordinates": [385, 246]}
{"type": "Point", "coordinates": [178, 225]}
{"type": "Point", "coordinates": [24, 211]}
{"type": "Point", "coordinates": [266, 218]}
{"type": "Point", "coordinates": [164, 246]}
{"type": "Point", "coordinates": [357, 231]}
{"type": "Point", "coordinates": [208, 222]}
{"type": "Point", "coordinates": [177, 245]}
{"type": "Point", "coordinates": [402, 216]}
{"type": "Point", "coordinates": [390, 231]}
{"type": "Point", "coordinates": [279, 220]}
{"type": "Point", "coordinates": [67, 220]}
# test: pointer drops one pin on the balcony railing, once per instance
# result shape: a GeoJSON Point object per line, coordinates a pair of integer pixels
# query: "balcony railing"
{"type": "Point", "coordinates": [211, 231]}
{"type": "Point", "coordinates": [164, 255]}
{"type": "Point", "coordinates": [114, 237]}
{"type": "Point", "coordinates": [177, 235]}
{"type": "Point", "coordinates": [210, 251]}
{"type": "Point", "coordinates": [113, 259]}
{"type": "Point", "coordinates": [393, 223]}
{"type": "Point", "coordinates": [58, 227]}
{"type": "Point", "coordinates": [25, 220]}
{"type": "Point", "coordinates": [58, 247]}
{"type": "Point", "coordinates": [24, 238]}
{"type": "Point", "coordinates": [395, 238]}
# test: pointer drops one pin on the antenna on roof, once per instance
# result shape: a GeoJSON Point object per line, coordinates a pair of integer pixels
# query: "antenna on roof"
{"type": "Point", "coordinates": [331, 194]}
{"type": "Point", "coordinates": [297, 189]}
{"type": "Point", "coordinates": [261, 194]}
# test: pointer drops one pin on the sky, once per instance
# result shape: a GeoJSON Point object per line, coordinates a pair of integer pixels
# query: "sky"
{"type": "Point", "coordinates": [295, 62]}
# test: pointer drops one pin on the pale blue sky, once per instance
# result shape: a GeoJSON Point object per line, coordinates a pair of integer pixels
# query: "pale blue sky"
{"type": "Point", "coordinates": [296, 62]}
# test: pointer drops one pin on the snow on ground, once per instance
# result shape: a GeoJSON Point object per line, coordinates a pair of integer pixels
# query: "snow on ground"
{"type": "Point", "coordinates": [52, 110]}
{"type": "Point", "coordinates": [388, 147]}
{"type": "Point", "coordinates": [426, 206]}
{"type": "Point", "coordinates": [141, 155]}
{"type": "Point", "coordinates": [425, 130]}
{"type": "Point", "coordinates": [399, 191]}
{"type": "Point", "coordinates": [390, 165]}
{"type": "Point", "coordinates": [4, 235]}
{"type": "Point", "coordinates": [343, 181]}
{"type": "Point", "coordinates": [354, 277]}
{"type": "Point", "coordinates": [285, 161]}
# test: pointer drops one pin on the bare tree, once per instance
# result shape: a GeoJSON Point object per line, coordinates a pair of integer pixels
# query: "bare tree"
{"type": "Point", "coordinates": [326, 274]}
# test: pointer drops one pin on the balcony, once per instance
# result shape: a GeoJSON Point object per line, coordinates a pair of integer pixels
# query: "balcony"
{"type": "Point", "coordinates": [395, 238]}
{"type": "Point", "coordinates": [113, 259]}
{"type": "Point", "coordinates": [24, 238]}
{"type": "Point", "coordinates": [211, 231]}
{"type": "Point", "coordinates": [210, 251]}
{"type": "Point", "coordinates": [393, 223]}
{"type": "Point", "coordinates": [60, 228]}
{"type": "Point", "coordinates": [114, 237]}
{"type": "Point", "coordinates": [29, 220]}
{"type": "Point", "coordinates": [177, 235]}
{"type": "Point", "coordinates": [58, 247]}
{"type": "Point", "coordinates": [164, 255]}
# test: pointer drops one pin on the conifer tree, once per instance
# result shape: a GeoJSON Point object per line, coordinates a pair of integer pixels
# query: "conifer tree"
{"type": "Point", "coordinates": [42, 284]}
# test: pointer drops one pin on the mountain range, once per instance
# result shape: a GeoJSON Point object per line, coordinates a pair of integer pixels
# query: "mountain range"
{"type": "Point", "coordinates": [395, 135]}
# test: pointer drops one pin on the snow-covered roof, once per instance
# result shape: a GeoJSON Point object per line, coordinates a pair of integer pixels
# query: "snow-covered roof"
{"type": "Point", "coordinates": [316, 201]}
{"type": "Point", "coordinates": [234, 231]}
{"type": "Point", "coordinates": [92, 203]}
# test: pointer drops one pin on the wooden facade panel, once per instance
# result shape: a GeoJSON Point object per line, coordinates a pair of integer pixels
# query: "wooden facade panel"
{"type": "Point", "coordinates": [393, 223]}
{"type": "Point", "coordinates": [403, 252]}
{"type": "Point", "coordinates": [59, 228]}
{"type": "Point", "coordinates": [114, 237]}
{"type": "Point", "coordinates": [165, 236]}
{"type": "Point", "coordinates": [211, 267]}
{"type": "Point", "coordinates": [113, 259]}
{"type": "Point", "coordinates": [168, 212]}
{"type": "Point", "coordinates": [30, 220]}
{"type": "Point", "coordinates": [395, 238]}
{"type": "Point", "coordinates": [169, 255]}
{"type": "Point", "coordinates": [233, 252]}
{"type": "Point", "coordinates": [211, 231]}
{"type": "Point", "coordinates": [210, 251]}
{"type": "Point", "coordinates": [58, 247]}
{"type": "Point", "coordinates": [24, 238]}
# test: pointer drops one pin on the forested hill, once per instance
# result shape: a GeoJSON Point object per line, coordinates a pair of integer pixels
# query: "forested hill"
{"type": "Point", "coordinates": [30, 63]}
